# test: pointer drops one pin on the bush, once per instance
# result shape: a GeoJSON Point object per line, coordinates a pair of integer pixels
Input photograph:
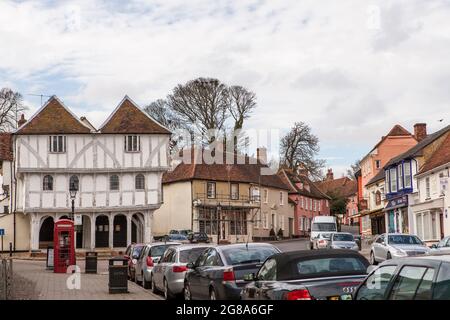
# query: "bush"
{"type": "Point", "coordinates": [272, 233]}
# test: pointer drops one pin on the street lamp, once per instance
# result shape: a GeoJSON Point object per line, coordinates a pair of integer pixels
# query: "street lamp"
{"type": "Point", "coordinates": [218, 210]}
{"type": "Point", "coordinates": [73, 188]}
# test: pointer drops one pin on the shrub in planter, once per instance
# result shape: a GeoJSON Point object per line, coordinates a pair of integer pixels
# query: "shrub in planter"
{"type": "Point", "coordinates": [280, 234]}
{"type": "Point", "coordinates": [272, 233]}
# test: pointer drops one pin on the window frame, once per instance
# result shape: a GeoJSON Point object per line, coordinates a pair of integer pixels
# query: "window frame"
{"type": "Point", "coordinates": [407, 179]}
{"type": "Point", "coordinates": [118, 182]}
{"type": "Point", "coordinates": [232, 195]}
{"type": "Point", "coordinates": [54, 148]}
{"type": "Point", "coordinates": [393, 178]}
{"type": "Point", "coordinates": [132, 143]}
{"type": "Point", "coordinates": [48, 183]}
{"type": "Point", "coordinates": [139, 175]}
{"type": "Point", "coordinates": [212, 183]}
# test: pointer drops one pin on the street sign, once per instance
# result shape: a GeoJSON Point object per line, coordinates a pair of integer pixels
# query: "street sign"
{"type": "Point", "coordinates": [50, 257]}
{"type": "Point", "coordinates": [78, 219]}
{"type": "Point", "coordinates": [2, 232]}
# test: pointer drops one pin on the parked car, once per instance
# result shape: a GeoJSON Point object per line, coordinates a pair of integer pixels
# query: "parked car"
{"type": "Point", "coordinates": [321, 241]}
{"type": "Point", "coordinates": [396, 245]}
{"type": "Point", "coordinates": [412, 278]}
{"type": "Point", "coordinates": [132, 254]}
{"type": "Point", "coordinates": [197, 237]}
{"type": "Point", "coordinates": [308, 275]}
{"type": "Point", "coordinates": [149, 256]}
{"type": "Point", "coordinates": [218, 273]}
{"type": "Point", "coordinates": [442, 246]}
{"type": "Point", "coordinates": [184, 232]}
{"type": "Point", "coordinates": [176, 237]}
{"type": "Point", "coordinates": [342, 240]}
{"type": "Point", "coordinates": [168, 274]}
{"type": "Point", "coordinates": [322, 224]}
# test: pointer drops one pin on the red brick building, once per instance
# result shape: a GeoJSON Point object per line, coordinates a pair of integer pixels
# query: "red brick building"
{"type": "Point", "coordinates": [308, 200]}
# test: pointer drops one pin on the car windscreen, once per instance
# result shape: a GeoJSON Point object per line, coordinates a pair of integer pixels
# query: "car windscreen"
{"type": "Point", "coordinates": [137, 251]}
{"type": "Point", "coordinates": [177, 237]}
{"type": "Point", "coordinates": [157, 251]}
{"type": "Point", "coordinates": [403, 239]}
{"type": "Point", "coordinates": [191, 255]}
{"type": "Point", "coordinates": [240, 255]}
{"type": "Point", "coordinates": [324, 226]}
{"type": "Point", "coordinates": [329, 266]}
{"type": "Point", "coordinates": [342, 237]}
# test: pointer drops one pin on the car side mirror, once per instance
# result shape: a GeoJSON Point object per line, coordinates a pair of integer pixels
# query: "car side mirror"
{"type": "Point", "coordinates": [250, 277]}
{"type": "Point", "coordinates": [190, 265]}
{"type": "Point", "coordinates": [383, 243]}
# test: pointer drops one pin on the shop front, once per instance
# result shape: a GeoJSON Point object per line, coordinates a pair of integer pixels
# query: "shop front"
{"type": "Point", "coordinates": [377, 222]}
{"type": "Point", "coordinates": [430, 218]}
{"type": "Point", "coordinates": [396, 212]}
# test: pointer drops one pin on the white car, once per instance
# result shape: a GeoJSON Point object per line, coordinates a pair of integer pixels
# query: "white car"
{"type": "Point", "coordinates": [319, 225]}
{"type": "Point", "coordinates": [396, 245]}
{"type": "Point", "coordinates": [442, 246]}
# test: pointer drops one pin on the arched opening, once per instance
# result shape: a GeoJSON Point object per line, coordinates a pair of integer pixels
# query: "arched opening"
{"type": "Point", "coordinates": [102, 232]}
{"type": "Point", "coordinates": [137, 228]}
{"type": "Point", "coordinates": [46, 233]}
{"type": "Point", "coordinates": [84, 233]}
{"type": "Point", "coordinates": [120, 231]}
{"type": "Point", "coordinates": [64, 217]}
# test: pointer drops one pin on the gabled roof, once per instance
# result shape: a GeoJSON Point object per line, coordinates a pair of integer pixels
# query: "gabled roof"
{"type": "Point", "coordinates": [53, 118]}
{"type": "Point", "coordinates": [6, 147]}
{"type": "Point", "coordinates": [344, 187]}
{"type": "Point", "coordinates": [418, 148]}
{"type": "Point", "coordinates": [248, 172]}
{"type": "Point", "coordinates": [292, 179]}
{"type": "Point", "coordinates": [378, 177]}
{"type": "Point", "coordinates": [396, 131]}
{"type": "Point", "coordinates": [439, 157]}
{"type": "Point", "coordinates": [129, 118]}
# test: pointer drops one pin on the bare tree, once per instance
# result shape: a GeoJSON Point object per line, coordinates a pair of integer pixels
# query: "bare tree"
{"type": "Point", "coordinates": [353, 169]}
{"type": "Point", "coordinates": [299, 147]}
{"type": "Point", "coordinates": [10, 107]}
{"type": "Point", "coordinates": [203, 103]}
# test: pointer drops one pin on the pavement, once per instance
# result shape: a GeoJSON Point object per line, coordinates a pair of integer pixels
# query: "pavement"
{"type": "Point", "coordinates": [33, 281]}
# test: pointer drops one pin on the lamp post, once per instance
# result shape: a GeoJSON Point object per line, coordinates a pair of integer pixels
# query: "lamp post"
{"type": "Point", "coordinates": [218, 211]}
{"type": "Point", "coordinates": [73, 188]}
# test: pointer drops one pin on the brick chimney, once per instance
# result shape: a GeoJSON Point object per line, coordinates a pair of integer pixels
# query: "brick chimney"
{"type": "Point", "coordinates": [21, 120]}
{"type": "Point", "coordinates": [261, 155]}
{"type": "Point", "coordinates": [330, 175]}
{"type": "Point", "coordinates": [420, 131]}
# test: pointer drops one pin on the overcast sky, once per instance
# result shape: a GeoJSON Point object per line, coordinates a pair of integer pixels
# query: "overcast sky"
{"type": "Point", "coordinates": [350, 69]}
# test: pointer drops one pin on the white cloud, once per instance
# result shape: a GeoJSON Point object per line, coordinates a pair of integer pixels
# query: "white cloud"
{"type": "Point", "coordinates": [351, 69]}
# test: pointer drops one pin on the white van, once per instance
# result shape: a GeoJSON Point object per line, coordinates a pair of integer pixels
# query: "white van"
{"type": "Point", "coordinates": [322, 224]}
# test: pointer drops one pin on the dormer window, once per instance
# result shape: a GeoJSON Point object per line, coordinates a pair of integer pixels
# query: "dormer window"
{"type": "Point", "coordinates": [132, 143]}
{"type": "Point", "coordinates": [57, 144]}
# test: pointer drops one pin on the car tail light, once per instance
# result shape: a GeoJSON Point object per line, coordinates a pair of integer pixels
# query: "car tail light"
{"type": "Point", "coordinates": [228, 275]}
{"type": "Point", "coordinates": [179, 268]}
{"type": "Point", "coordinates": [302, 294]}
{"type": "Point", "coordinates": [149, 262]}
{"type": "Point", "coordinates": [322, 241]}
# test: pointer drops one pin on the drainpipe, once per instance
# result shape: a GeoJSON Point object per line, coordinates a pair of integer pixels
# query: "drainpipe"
{"type": "Point", "coordinates": [13, 173]}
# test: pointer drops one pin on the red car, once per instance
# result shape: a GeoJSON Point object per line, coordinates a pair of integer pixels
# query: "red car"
{"type": "Point", "coordinates": [132, 254]}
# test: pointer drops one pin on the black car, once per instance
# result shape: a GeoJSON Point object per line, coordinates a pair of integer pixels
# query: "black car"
{"type": "Point", "coordinates": [416, 278]}
{"type": "Point", "coordinates": [330, 274]}
{"type": "Point", "coordinates": [197, 237]}
{"type": "Point", "coordinates": [218, 273]}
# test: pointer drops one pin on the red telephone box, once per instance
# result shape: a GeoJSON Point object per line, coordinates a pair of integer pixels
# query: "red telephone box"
{"type": "Point", "coordinates": [64, 245]}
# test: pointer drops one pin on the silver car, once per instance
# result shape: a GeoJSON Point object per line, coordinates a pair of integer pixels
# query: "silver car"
{"type": "Point", "coordinates": [442, 246]}
{"type": "Point", "coordinates": [322, 241]}
{"type": "Point", "coordinates": [396, 245]}
{"type": "Point", "coordinates": [168, 274]}
{"type": "Point", "coordinates": [342, 240]}
{"type": "Point", "coordinates": [148, 258]}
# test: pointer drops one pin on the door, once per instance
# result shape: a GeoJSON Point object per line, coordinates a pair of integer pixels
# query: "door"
{"type": "Point", "coordinates": [207, 273]}
{"type": "Point", "coordinates": [194, 275]}
{"type": "Point", "coordinates": [291, 227]}
{"type": "Point", "coordinates": [160, 268]}
{"type": "Point", "coordinates": [266, 277]}
{"type": "Point", "coordinates": [378, 248]}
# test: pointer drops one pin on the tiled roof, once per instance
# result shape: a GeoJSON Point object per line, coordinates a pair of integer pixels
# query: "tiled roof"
{"type": "Point", "coordinates": [378, 177]}
{"type": "Point", "coordinates": [439, 157]}
{"type": "Point", "coordinates": [293, 179]}
{"type": "Point", "coordinates": [53, 118]}
{"type": "Point", "coordinates": [344, 187]}
{"type": "Point", "coordinates": [247, 172]}
{"type": "Point", "coordinates": [418, 148]}
{"type": "Point", "coordinates": [396, 131]}
{"type": "Point", "coordinates": [6, 147]}
{"type": "Point", "coordinates": [129, 118]}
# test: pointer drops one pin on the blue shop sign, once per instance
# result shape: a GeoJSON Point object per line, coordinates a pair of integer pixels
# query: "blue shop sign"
{"type": "Point", "coordinates": [397, 203]}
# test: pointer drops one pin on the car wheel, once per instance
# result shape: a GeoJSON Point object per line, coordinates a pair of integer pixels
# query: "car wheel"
{"type": "Point", "coordinates": [372, 259]}
{"type": "Point", "coordinates": [311, 246]}
{"type": "Point", "coordinates": [212, 294]}
{"type": "Point", "coordinates": [187, 292]}
{"type": "Point", "coordinates": [167, 294]}
{"type": "Point", "coordinates": [388, 256]}
{"type": "Point", "coordinates": [146, 284]}
{"type": "Point", "coordinates": [154, 289]}
{"type": "Point", "coordinates": [136, 279]}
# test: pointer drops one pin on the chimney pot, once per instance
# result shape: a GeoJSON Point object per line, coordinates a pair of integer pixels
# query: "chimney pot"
{"type": "Point", "coordinates": [21, 120]}
{"type": "Point", "coordinates": [420, 131]}
{"type": "Point", "coordinates": [261, 155]}
{"type": "Point", "coordinates": [330, 175]}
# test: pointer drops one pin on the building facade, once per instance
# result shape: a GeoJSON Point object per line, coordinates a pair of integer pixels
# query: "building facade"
{"type": "Point", "coordinates": [307, 199]}
{"type": "Point", "coordinates": [118, 169]}
{"type": "Point", "coordinates": [229, 202]}
{"type": "Point", "coordinates": [402, 189]}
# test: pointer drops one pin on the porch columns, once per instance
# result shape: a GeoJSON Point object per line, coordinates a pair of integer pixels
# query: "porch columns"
{"type": "Point", "coordinates": [147, 227]}
{"type": "Point", "coordinates": [128, 229]}
{"type": "Point", "coordinates": [34, 231]}
{"type": "Point", "coordinates": [111, 226]}
{"type": "Point", "coordinates": [93, 220]}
